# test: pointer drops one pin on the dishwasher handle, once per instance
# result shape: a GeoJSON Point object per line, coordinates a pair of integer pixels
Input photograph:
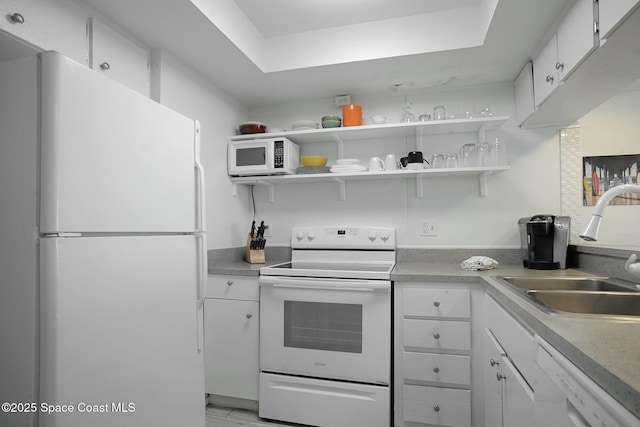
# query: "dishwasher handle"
{"type": "Point", "coordinates": [326, 284]}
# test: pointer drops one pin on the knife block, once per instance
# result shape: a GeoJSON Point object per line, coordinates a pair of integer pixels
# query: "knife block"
{"type": "Point", "coordinates": [253, 256]}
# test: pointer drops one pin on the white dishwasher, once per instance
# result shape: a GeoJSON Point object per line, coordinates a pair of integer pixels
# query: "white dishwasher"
{"type": "Point", "coordinates": [565, 396]}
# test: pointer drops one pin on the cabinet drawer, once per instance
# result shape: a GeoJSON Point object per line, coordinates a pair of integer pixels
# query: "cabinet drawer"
{"type": "Point", "coordinates": [233, 287]}
{"type": "Point", "coordinates": [444, 368]}
{"type": "Point", "coordinates": [437, 334]}
{"type": "Point", "coordinates": [440, 406]}
{"type": "Point", "coordinates": [437, 302]}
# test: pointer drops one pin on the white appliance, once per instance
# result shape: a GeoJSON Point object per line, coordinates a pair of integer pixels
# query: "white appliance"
{"type": "Point", "coordinates": [325, 329]}
{"type": "Point", "coordinates": [102, 252]}
{"type": "Point", "coordinates": [565, 397]}
{"type": "Point", "coordinates": [268, 156]}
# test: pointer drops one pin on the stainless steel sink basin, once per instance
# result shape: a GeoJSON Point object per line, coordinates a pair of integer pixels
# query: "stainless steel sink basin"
{"type": "Point", "coordinates": [597, 296]}
{"type": "Point", "coordinates": [587, 302]}
{"type": "Point", "coordinates": [570, 284]}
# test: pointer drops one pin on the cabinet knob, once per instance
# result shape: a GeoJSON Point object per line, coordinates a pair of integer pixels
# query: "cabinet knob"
{"type": "Point", "coordinates": [436, 407]}
{"type": "Point", "coordinates": [436, 336]}
{"type": "Point", "coordinates": [105, 66]}
{"type": "Point", "coordinates": [436, 303]}
{"type": "Point", "coordinates": [436, 369]}
{"type": "Point", "coordinates": [229, 282]}
{"type": "Point", "coordinates": [559, 66]}
{"type": "Point", "coordinates": [493, 362]}
{"type": "Point", "coordinates": [500, 377]}
{"type": "Point", "coordinates": [549, 79]}
{"type": "Point", "coordinates": [249, 315]}
{"type": "Point", "coordinates": [17, 18]}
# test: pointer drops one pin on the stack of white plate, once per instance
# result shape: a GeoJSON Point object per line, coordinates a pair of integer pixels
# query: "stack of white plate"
{"type": "Point", "coordinates": [347, 165]}
{"type": "Point", "coordinates": [305, 124]}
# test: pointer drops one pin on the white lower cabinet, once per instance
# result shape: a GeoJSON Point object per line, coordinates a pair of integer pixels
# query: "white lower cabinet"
{"type": "Point", "coordinates": [231, 349]}
{"type": "Point", "coordinates": [433, 338]}
{"type": "Point", "coordinates": [508, 394]}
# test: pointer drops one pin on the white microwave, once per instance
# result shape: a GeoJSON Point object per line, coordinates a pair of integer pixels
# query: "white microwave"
{"type": "Point", "coordinates": [269, 156]}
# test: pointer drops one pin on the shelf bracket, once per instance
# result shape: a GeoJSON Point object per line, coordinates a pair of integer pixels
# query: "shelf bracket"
{"type": "Point", "coordinates": [482, 181]}
{"type": "Point", "coordinates": [343, 188]}
{"type": "Point", "coordinates": [340, 145]}
{"type": "Point", "coordinates": [419, 135]}
{"type": "Point", "coordinates": [271, 188]}
{"type": "Point", "coordinates": [419, 187]}
{"type": "Point", "coordinates": [482, 133]}
{"type": "Point", "coordinates": [234, 189]}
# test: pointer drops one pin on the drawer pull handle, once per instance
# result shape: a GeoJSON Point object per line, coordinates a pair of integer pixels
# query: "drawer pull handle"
{"type": "Point", "coordinates": [549, 79]}
{"type": "Point", "coordinates": [229, 282]}
{"type": "Point", "coordinates": [436, 336]}
{"type": "Point", "coordinates": [559, 66]}
{"type": "Point", "coordinates": [105, 66]}
{"type": "Point", "coordinates": [436, 369]}
{"type": "Point", "coordinates": [493, 362]}
{"type": "Point", "coordinates": [436, 303]}
{"type": "Point", "coordinates": [17, 18]}
{"type": "Point", "coordinates": [436, 407]}
{"type": "Point", "coordinates": [249, 315]}
{"type": "Point", "coordinates": [500, 377]}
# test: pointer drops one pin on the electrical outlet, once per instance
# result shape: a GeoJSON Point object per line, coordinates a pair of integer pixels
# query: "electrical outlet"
{"type": "Point", "coordinates": [342, 100]}
{"type": "Point", "coordinates": [267, 229]}
{"type": "Point", "coordinates": [429, 227]}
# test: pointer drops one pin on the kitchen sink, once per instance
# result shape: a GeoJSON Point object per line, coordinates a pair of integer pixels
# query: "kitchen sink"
{"type": "Point", "coordinates": [597, 296]}
{"type": "Point", "coordinates": [590, 302]}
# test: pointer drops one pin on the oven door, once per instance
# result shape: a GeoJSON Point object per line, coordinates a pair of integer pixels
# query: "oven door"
{"type": "Point", "coordinates": [326, 328]}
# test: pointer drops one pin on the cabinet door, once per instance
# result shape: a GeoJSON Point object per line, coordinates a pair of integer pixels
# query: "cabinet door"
{"type": "Point", "coordinates": [525, 102]}
{"type": "Point", "coordinates": [545, 75]}
{"type": "Point", "coordinates": [576, 37]}
{"type": "Point", "coordinates": [119, 57]}
{"type": "Point", "coordinates": [517, 397]}
{"type": "Point", "coordinates": [48, 25]}
{"type": "Point", "coordinates": [612, 13]}
{"type": "Point", "coordinates": [231, 348]}
{"type": "Point", "coordinates": [493, 354]}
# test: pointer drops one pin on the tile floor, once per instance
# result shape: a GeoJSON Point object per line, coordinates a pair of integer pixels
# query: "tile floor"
{"type": "Point", "coordinates": [227, 417]}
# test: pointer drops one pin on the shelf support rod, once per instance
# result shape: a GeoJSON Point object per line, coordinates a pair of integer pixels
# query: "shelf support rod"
{"type": "Point", "coordinates": [419, 186]}
{"type": "Point", "coordinates": [482, 181]}
{"type": "Point", "coordinates": [419, 135]}
{"type": "Point", "coordinates": [271, 188]}
{"type": "Point", "coordinates": [234, 189]}
{"type": "Point", "coordinates": [340, 145]}
{"type": "Point", "coordinates": [482, 136]}
{"type": "Point", "coordinates": [343, 188]}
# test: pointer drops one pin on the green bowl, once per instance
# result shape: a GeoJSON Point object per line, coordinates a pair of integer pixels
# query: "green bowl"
{"type": "Point", "coordinates": [331, 123]}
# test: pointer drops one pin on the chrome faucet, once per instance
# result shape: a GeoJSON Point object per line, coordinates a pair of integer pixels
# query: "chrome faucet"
{"type": "Point", "coordinates": [591, 232]}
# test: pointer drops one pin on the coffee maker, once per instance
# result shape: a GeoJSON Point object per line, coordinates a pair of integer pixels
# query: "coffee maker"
{"type": "Point", "coordinates": [544, 240]}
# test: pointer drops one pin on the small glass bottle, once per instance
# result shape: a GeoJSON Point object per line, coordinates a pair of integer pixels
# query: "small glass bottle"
{"type": "Point", "coordinates": [407, 115]}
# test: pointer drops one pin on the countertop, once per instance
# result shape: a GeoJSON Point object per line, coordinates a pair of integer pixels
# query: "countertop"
{"type": "Point", "coordinates": [607, 350]}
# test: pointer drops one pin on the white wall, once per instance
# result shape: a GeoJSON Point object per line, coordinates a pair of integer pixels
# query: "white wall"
{"type": "Point", "coordinates": [464, 219]}
{"type": "Point", "coordinates": [611, 129]}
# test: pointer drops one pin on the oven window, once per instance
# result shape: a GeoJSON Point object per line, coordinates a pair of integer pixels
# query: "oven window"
{"type": "Point", "coordinates": [323, 326]}
{"type": "Point", "coordinates": [251, 156]}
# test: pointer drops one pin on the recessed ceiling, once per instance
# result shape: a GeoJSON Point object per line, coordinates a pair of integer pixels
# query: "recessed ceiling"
{"type": "Point", "coordinates": [241, 53]}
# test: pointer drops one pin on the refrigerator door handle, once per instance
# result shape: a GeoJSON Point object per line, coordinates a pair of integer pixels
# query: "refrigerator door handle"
{"type": "Point", "coordinates": [200, 221]}
{"type": "Point", "coordinates": [201, 265]}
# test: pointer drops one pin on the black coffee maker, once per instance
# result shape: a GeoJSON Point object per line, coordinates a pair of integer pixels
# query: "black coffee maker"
{"type": "Point", "coordinates": [544, 240]}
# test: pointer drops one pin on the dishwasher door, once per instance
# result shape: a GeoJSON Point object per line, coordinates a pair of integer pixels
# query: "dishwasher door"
{"type": "Point", "coordinates": [565, 397]}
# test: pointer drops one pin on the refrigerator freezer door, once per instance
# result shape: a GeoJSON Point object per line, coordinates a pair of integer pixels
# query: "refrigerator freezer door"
{"type": "Point", "coordinates": [112, 160]}
{"type": "Point", "coordinates": [119, 324]}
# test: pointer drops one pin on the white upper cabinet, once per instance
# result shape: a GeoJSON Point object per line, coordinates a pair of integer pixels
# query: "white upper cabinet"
{"type": "Point", "coordinates": [118, 57]}
{"type": "Point", "coordinates": [612, 13]}
{"type": "Point", "coordinates": [47, 25]}
{"type": "Point", "coordinates": [575, 38]}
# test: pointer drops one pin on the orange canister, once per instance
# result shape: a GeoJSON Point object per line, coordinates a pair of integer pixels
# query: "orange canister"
{"type": "Point", "coordinates": [352, 115]}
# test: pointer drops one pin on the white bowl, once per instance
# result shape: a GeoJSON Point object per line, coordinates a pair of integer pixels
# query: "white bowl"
{"type": "Point", "coordinates": [379, 120]}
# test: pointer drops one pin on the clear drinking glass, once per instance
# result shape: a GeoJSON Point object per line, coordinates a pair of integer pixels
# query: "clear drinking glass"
{"type": "Point", "coordinates": [451, 161]}
{"type": "Point", "coordinates": [439, 113]}
{"type": "Point", "coordinates": [484, 154]}
{"type": "Point", "coordinates": [437, 161]}
{"type": "Point", "coordinates": [468, 158]}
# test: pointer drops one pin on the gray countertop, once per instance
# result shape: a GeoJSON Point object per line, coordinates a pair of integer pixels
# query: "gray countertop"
{"type": "Point", "coordinates": [607, 350]}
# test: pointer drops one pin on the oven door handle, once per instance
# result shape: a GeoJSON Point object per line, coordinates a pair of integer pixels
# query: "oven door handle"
{"type": "Point", "coordinates": [326, 284]}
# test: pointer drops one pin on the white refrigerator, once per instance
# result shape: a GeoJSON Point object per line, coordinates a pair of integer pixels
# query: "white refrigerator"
{"type": "Point", "coordinates": [102, 253]}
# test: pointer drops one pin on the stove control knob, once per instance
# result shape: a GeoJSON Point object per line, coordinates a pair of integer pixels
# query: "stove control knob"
{"type": "Point", "coordinates": [300, 235]}
{"type": "Point", "coordinates": [372, 235]}
{"type": "Point", "coordinates": [384, 235]}
{"type": "Point", "coordinates": [311, 235]}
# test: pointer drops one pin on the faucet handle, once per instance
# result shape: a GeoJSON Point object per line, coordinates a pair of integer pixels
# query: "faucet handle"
{"type": "Point", "coordinates": [632, 266]}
